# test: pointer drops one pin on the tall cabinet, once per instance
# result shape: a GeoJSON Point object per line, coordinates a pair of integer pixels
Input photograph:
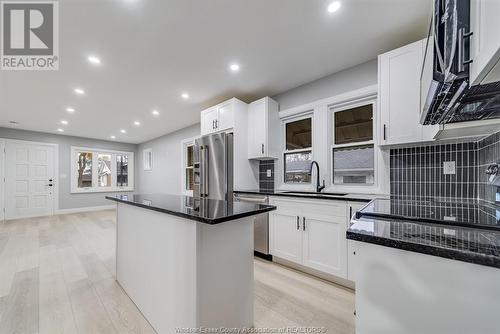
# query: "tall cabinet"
{"type": "Point", "coordinates": [263, 129]}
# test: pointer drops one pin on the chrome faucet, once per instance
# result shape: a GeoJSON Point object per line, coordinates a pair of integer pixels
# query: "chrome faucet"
{"type": "Point", "coordinates": [318, 186]}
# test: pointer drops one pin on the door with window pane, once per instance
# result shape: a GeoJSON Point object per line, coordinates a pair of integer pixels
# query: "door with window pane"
{"type": "Point", "coordinates": [353, 148]}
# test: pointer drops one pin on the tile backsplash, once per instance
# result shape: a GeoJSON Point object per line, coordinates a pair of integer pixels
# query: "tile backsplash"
{"type": "Point", "coordinates": [489, 152]}
{"type": "Point", "coordinates": [418, 172]}
{"type": "Point", "coordinates": [266, 183]}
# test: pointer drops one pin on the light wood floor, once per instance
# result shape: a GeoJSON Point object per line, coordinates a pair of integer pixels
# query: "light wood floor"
{"type": "Point", "coordinates": [57, 276]}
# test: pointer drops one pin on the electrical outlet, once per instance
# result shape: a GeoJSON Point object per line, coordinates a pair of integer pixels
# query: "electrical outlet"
{"type": "Point", "coordinates": [449, 167]}
{"type": "Point", "coordinates": [268, 173]}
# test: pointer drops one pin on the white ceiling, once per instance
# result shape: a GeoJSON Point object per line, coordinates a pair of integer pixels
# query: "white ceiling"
{"type": "Point", "coordinates": [154, 50]}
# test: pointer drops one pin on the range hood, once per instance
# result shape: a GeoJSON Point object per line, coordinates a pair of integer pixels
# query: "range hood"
{"type": "Point", "coordinates": [446, 94]}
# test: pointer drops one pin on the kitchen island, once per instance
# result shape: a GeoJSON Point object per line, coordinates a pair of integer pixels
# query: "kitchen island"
{"type": "Point", "coordinates": [187, 262]}
{"type": "Point", "coordinates": [425, 267]}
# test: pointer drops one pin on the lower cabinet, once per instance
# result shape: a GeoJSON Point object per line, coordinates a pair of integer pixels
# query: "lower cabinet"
{"type": "Point", "coordinates": [310, 233]}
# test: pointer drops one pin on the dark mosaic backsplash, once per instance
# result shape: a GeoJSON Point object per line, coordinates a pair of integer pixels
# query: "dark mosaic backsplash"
{"type": "Point", "coordinates": [266, 183]}
{"type": "Point", "coordinates": [489, 152]}
{"type": "Point", "coordinates": [417, 172]}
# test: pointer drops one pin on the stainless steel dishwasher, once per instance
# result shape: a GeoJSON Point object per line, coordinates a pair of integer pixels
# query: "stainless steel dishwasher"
{"type": "Point", "coordinates": [261, 225]}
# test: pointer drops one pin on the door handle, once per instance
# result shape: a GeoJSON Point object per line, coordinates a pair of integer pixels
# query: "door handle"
{"type": "Point", "coordinates": [303, 223]}
{"type": "Point", "coordinates": [384, 131]}
{"type": "Point", "coordinates": [298, 224]}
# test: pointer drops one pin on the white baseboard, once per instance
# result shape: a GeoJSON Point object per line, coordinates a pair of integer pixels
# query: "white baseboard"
{"type": "Point", "coordinates": [85, 209]}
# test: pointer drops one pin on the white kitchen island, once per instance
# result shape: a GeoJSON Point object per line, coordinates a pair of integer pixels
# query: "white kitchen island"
{"type": "Point", "coordinates": [187, 263]}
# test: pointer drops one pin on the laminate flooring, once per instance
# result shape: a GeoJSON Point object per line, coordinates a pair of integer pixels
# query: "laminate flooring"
{"type": "Point", "coordinates": [57, 275]}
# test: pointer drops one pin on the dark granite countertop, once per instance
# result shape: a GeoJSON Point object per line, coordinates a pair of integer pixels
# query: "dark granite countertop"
{"type": "Point", "coordinates": [460, 231]}
{"type": "Point", "coordinates": [204, 210]}
{"type": "Point", "coordinates": [305, 194]}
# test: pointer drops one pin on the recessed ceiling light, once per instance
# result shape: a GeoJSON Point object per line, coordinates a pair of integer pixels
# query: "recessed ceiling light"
{"type": "Point", "coordinates": [79, 91]}
{"type": "Point", "coordinates": [94, 60]}
{"type": "Point", "coordinates": [112, 137]}
{"type": "Point", "coordinates": [64, 122]}
{"type": "Point", "coordinates": [234, 67]}
{"type": "Point", "coordinates": [137, 123]}
{"type": "Point", "coordinates": [123, 131]}
{"type": "Point", "coordinates": [60, 130]}
{"type": "Point", "coordinates": [70, 109]}
{"type": "Point", "coordinates": [333, 7]}
{"type": "Point", "coordinates": [185, 96]}
{"type": "Point", "coordinates": [155, 112]}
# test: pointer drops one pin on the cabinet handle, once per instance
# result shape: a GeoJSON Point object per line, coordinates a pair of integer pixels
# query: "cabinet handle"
{"type": "Point", "coordinates": [298, 224]}
{"type": "Point", "coordinates": [384, 131]}
{"type": "Point", "coordinates": [216, 124]}
{"type": "Point", "coordinates": [303, 223]}
{"type": "Point", "coordinates": [350, 212]}
{"type": "Point", "coordinates": [262, 148]}
{"type": "Point", "coordinates": [213, 124]}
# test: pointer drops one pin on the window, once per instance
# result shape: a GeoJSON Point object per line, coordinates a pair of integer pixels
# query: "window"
{"type": "Point", "coordinates": [147, 158]}
{"type": "Point", "coordinates": [92, 170]}
{"type": "Point", "coordinates": [187, 161]}
{"type": "Point", "coordinates": [353, 146]}
{"type": "Point", "coordinates": [298, 151]}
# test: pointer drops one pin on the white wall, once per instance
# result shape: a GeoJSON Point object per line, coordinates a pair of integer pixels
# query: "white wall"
{"type": "Point", "coordinates": [353, 78]}
{"type": "Point", "coordinates": [166, 174]}
{"type": "Point", "coordinates": [66, 199]}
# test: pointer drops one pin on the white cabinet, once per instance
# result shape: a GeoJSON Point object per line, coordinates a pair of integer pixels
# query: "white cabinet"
{"type": "Point", "coordinates": [485, 41]}
{"type": "Point", "coordinates": [220, 117]}
{"type": "Point", "coordinates": [208, 119]}
{"type": "Point", "coordinates": [399, 73]}
{"type": "Point", "coordinates": [310, 233]}
{"type": "Point", "coordinates": [263, 129]}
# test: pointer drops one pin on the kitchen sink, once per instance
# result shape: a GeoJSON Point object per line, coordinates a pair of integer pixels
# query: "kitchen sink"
{"type": "Point", "coordinates": [312, 193]}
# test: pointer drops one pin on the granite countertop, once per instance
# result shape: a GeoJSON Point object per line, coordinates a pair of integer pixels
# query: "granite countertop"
{"type": "Point", "coordinates": [322, 195]}
{"type": "Point", "coordinates": [204, 210]}
{"type": "Point", "coordinates": [465, 239]}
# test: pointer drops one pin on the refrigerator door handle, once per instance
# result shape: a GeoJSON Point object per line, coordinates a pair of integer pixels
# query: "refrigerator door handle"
{"type": "Point", "coordinates": [205, 171]}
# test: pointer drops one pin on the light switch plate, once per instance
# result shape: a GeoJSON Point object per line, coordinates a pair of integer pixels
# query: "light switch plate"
{"type": "Point", "coordinates": [449, 167]}
{"type": "Point", "coordinates": [268, 173]}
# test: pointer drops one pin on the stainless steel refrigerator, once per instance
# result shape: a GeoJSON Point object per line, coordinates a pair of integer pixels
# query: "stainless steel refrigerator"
{"type": "Point", "coordinates": [213, 166]}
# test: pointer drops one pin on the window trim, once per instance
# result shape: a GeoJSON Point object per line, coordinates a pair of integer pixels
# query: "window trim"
{"type": "Point", "coordinates": [334, 108]}
{"type": "Point", "coordinates": [95, 188]}
{"type": "Point", "coordinates": [284, 122]}
{"type": "Point", "coordinates": [184, 145]}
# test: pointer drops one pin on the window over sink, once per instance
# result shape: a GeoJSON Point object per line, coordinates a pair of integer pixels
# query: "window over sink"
{"type": "Point", "coordinates": [298, 150]}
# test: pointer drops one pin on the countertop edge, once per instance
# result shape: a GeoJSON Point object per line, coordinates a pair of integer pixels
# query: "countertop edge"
{"type": "Point", "coordinates": [328, 198]}
{"type": "Point", "coordinates": [485, 260]}
{"type": "Point", "coordinates": [195, 218]}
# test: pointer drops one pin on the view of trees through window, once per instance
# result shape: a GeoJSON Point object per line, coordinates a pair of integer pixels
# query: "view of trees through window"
{"type": "Point", "coordinates": [84, 169]}
{"type": "Point", "coordinates": [298, 154]}
{"type": "Point", "coordinates": [122, 170]}
{"type": "Point", "coordinates": [104, 170]}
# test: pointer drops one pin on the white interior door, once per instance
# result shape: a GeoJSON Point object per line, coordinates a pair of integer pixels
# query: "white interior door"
{"type": "Point", "coordinates": [29, 180]}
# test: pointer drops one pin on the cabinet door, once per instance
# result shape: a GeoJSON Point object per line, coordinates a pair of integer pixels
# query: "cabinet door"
{"type": "Point", "coordinates": [325, 246]}
{"type": "Point", "coordinates": [485, 42]}
{"type": "Point", "coordinates": [399, 94]}
{"type": "Point", "coordinates": [226, 117]}
{"type": "Point", "coordinates": [208, 121]}
{"type": "Point", "coordinates": [257, 129]}
{"type": "Point", "coordinates": [285, 235]}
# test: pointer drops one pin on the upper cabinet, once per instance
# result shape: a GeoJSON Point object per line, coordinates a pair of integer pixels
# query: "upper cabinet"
{"type": "Point", "coordinates": [399, 73]}
{"type": "Point", "coordinates": [263, 129]}
{"type": "Point", "coordinates": [219, 117]}
{"type": "Point", "coordinates": [485, 41]}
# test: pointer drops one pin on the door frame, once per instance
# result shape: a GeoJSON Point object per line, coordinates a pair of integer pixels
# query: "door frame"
{"type": "Point", "coordinates": [3, 145]}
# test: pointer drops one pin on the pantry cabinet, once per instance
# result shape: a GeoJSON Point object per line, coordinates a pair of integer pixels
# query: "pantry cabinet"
{"type": "Point", "coordinates": [399, 73]}
{"type": "Point", "coordinates": [310, 233]}
{"type": "Point", "coordinates": [263, 129]}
